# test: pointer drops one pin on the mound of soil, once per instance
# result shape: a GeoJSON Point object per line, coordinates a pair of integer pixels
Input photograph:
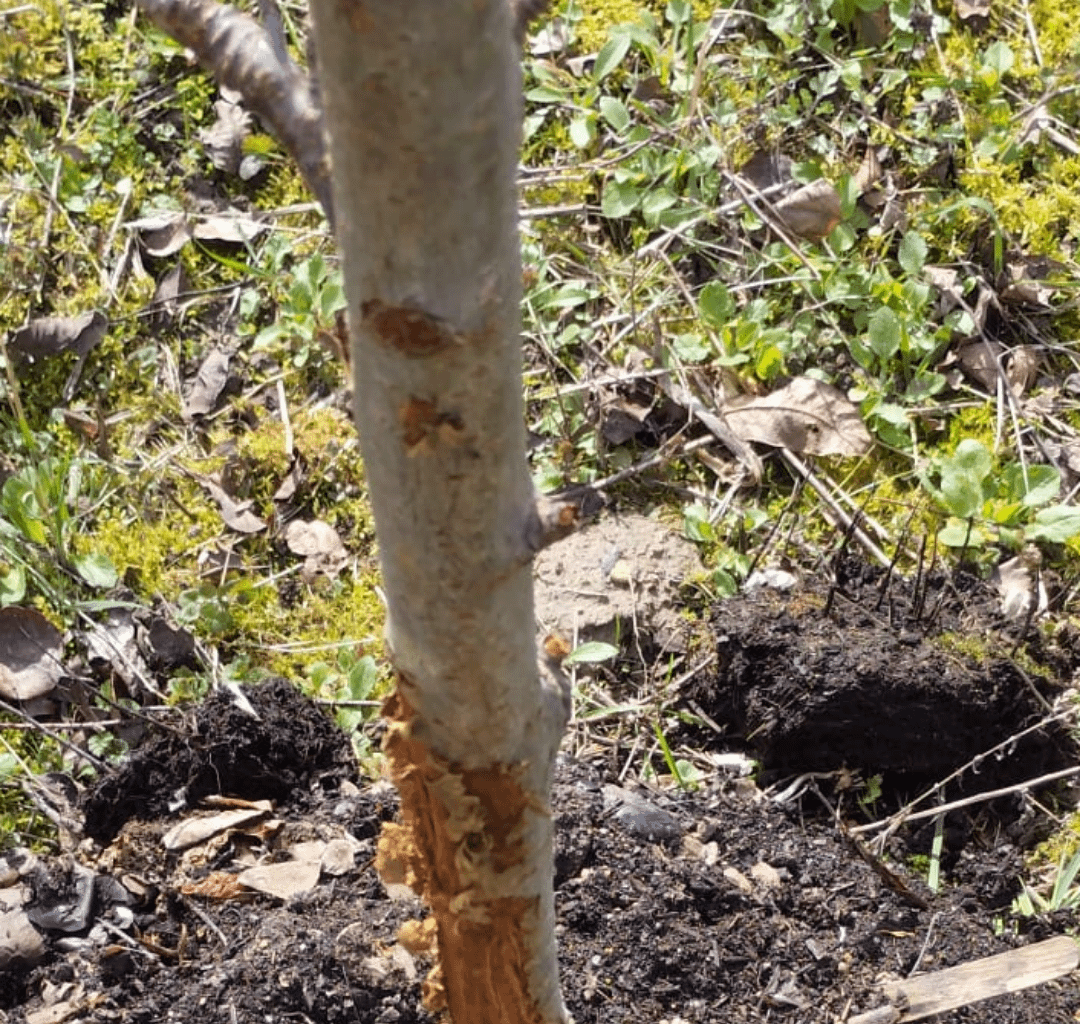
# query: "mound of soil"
{"type": "Point", "coordinates": [715, 905]}
{"type": "Point", "coordinates": [873, 672]}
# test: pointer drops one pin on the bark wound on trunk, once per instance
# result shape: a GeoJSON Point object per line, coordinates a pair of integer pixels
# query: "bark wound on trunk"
{"type": "Point", "coordinates": [462, 829]}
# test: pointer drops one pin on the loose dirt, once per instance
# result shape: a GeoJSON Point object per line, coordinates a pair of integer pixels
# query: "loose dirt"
{"type": "Point", "coordinates": [722, 904]}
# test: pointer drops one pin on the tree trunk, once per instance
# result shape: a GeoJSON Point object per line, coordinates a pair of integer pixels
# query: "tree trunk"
{"type": "Point", "coordinates": [422, 107]}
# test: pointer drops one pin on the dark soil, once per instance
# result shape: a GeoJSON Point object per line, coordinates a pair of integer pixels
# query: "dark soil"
{"type": "Point", "coordinates": [717, 905]}
{"type": "Point", "coordinates": [880, 674]}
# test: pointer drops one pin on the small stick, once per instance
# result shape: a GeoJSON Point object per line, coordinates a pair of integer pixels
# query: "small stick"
{"type": "Point", "coordinates": [978, 798]}
{"type": "Point", "coordinates": [894, 821]}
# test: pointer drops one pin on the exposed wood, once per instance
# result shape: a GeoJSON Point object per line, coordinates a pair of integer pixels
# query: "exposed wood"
{"type": "Point", "coordinates": [928, 994]}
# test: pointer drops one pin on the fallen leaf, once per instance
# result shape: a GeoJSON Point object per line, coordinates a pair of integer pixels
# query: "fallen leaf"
{"type": "Point", "coordinates": [980, 361]}
{"type": "Point", "coordinates": [812, 211]}
{"type": "Point", "coordinates": [869, 172]}
{"type": "Point", "coordinates": [1028, 293]}
{"type": "Point", "coordinates": [166, 647]}
{"type": "Point", "coordinates": [162, 234]}
{"type": "Point", "coordinates": [111, 644]}
{"type": "Point", "coordinates": [52, 335]}
{"type": "Point", "coordinates": [947, 282]}
{"type": "Point", "coordinates": [230, 226]}
{"type": "Point", "coordinates": [285, 880]}
{"type": "Point", "coordinates": [1022, 367]}
{"type": "Point", "coordinates": [218, 885]}
{"type": "Point", "coordinates": [224, 139]}
{"type": "Point", "coordinates": [165, 304]}
{"type": "Point", "coordinates": [209, 383]}
{"type": "Point", "coordinates": [30, 651]}
{"type": "Point", "coordinates": [237, 514]}
{"type": "Point", "coordinates": [199, 829]}
{"type": "Point", "coordinates": [806, 416]}
{"type": "Point", "coordinates": [872, 28]}
{"type": "Point", "coordinates": [973, 11]}
{"type": "Point", "coordinates": [318, 542]}
{"type": "Point", "coordinates": [1020, 586]}
{"type": "Point", "coordinates": [766, 169]}
{"type": "Point", "coordinates": [553, 38]}
{"type": "Point", "coordinates": [292, 480]}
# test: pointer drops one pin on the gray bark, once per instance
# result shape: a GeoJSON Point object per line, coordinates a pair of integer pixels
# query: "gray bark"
{"type": "Point", "coordinates": [422, 105]}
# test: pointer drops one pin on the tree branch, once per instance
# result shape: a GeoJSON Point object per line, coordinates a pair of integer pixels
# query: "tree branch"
{"type": "Point", "coordinates": [241, 55]}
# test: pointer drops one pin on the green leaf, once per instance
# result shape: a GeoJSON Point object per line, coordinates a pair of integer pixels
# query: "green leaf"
{"type": "Point", "coordinates": [883, 333]}
{"type": "Point", "coordinates": [546, 94]}
{"type": "Point", "coordinates": [963, 476]}
{"type": "Point", "coordinates": [912, 253]}
{"type": "Point", "coordinates": [691, 348]}
{"type": "Point", "coordinates": [725, 584]}
{"type": "Point", "coordinates": [971, 456]}
{"type": "Point", "coordinates": [611, 55]}
{"type": "Point", "coordinates": [615, 113]}
{"type": "Point", "coordinates": [620, 199]}
{"type": "Point", "coordinates": [678, 11]}
{"type": "Point", "coordinates": [716, 304]}
{"type": "Point", "coordinates": [957, 535]}
{"type": "Point", "coordinates": [770, 361]}
{"type": "Point", "coordinates": [12, 584]}
{"type": "Point", "coordinates": [696, 523]}
{"type": "Point", "coordinates": [362, 678]}
{"type": "Point", "coordinates": [583, 130]}
{"type": "Point", "coordinates": [656, 201]}
{"type": "Point", "coordinates": [9, 765]}
{"type": "Point", "coordinates": [962, 494]}
{"type": "Point", "coordinates": [591, 653]}
{"type": "Point", "coordinates": [96, 569]}
{"type": "Point", "coordinates": [1042, 484]}
{"type": "Point", "coordinates": [1055, 524]}
{"type": "Point", "coordinates": [999, 58]}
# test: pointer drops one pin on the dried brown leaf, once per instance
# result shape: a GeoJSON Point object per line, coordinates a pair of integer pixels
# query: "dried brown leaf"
{"type": "Point", "coordinates": [285, 880]}
{"type": "Point", "coordinates": [869, 172]}
{"type": "Point", "coordinates": [319, 544]}
{"type": "Point", "coordinates": [947, 282]}
{"type": "Point", "coordinates": [224, 139]}
{"type": "Point", "coordinates": [1023, 367]}
{"type": "Point", "coordinates": [872, 28]}
{"type": "Point", "coordinates": [30, 651]}
{"type": "Point", "coordinates": [165, 304]}
{"type": "Point", "coordinates": [209, 383]}
{"type": "Point", "coordinates": [975, 12]}
{"type": "Point", "coordinates": [980, 361]}
{"type": "Point", "coordinates": [766, 169]}
{"type": "Point", "coordinates": [52, 335]}
{"type": "Point", "coordinates": [237, 514]}
{"type": "Point", "coordinates": [162, 234]}
{"type": "Point", "coordinates": [812, 211]}
{"type": "Point", "coordinates": [806, 416]}
{"type": "Point", "coordinates": [230, 226]}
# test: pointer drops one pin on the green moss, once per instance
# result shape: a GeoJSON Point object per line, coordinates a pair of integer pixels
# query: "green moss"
{"type": "Point", "coordinates": [1057, 26]}
{"type": "Point", "coordinates": [977, 422]}
{"type": "Point", "coordinates": [154, 537]}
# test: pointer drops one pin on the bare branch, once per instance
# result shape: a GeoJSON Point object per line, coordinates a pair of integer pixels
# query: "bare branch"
{"type": "Point", "coordinates": [242, 56]}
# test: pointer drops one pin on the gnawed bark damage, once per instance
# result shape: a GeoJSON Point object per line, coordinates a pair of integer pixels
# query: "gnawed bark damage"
{"type": "Point", "coordinates": [463, 849]}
